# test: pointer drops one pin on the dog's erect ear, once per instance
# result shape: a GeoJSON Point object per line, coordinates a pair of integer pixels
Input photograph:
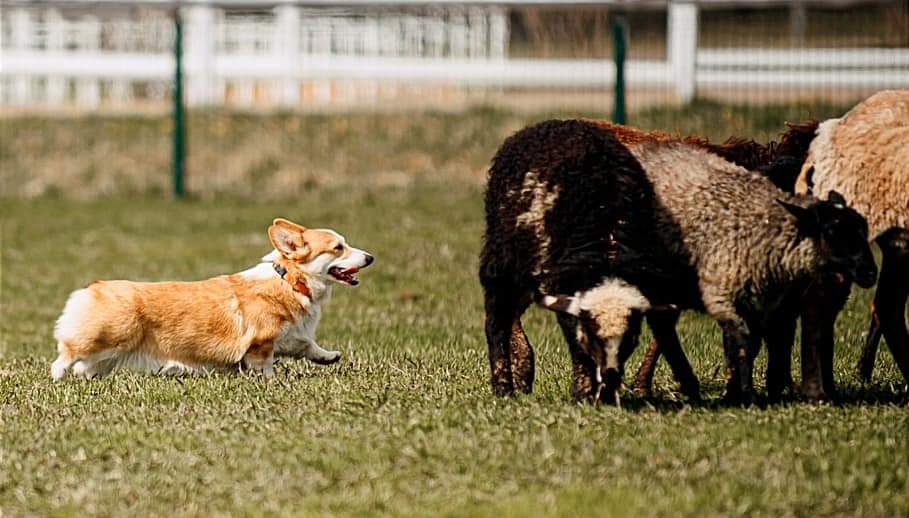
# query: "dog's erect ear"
{"type": "Point", "coordinates": [806, 219]}
{"type": "Point", "coordinates": [561, 304]}
{"type": "Point", "coordinates": [835, 197]}
{"type": "Point", "coordinates": [287, 237]}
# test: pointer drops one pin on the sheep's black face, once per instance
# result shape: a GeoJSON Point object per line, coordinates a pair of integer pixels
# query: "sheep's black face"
{"type": "Point", "coordinates": [843, 242]}
{"type": "Point", "coordinates": [842, 237]}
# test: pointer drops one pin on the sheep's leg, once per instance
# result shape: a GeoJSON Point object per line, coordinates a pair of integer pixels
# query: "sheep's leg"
{"type": "Point", "coordinates": [779, 336]}
{"type": "Point", "coordinates": [662, 327]}
{"type": "Point", "coordinates": [736, 343]}
{"type": "Point", "coordinates": [812, 388]}
{"type": "Point", "coordinates": [821, 303]}
{"type": "Point", "coordinates": [869, 350]}
{"type": "Point", "coordinates": [522, 357]}
{"type": "Point", "coordinates": [503, 331]}
{"type": "Point", "coordinates": [813, 335]}
{"type": "Point", "coordinates": [583, 368]}
{"type": "Point", "coordinates": [838, 295]}
{"type": "Point", "coordinates": [892, 292]}
{"type": "Point", "coordinates": [875, 329]}
{"type": "Point", "coordinates": [666, 341]}
{"type": "Point", "coordinates": [643, 380]}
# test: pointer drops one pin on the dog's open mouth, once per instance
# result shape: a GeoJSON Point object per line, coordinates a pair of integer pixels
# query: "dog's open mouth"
{"type": "Point", "coordinates": [347, 276]}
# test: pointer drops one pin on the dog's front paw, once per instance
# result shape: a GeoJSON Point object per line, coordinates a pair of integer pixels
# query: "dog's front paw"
{"type": "Point", "coordinates": [326, 359]}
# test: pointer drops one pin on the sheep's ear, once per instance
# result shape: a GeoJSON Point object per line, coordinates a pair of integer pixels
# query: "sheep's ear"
{"type": "Point", "coordinates": [805, 219]}
{"type": "Point", "coordinates": [835, 197]}
{"type": "Point", "coordinates": [562, 304]}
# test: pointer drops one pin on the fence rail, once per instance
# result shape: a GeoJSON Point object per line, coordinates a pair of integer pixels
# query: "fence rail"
{"type": "Point", "coordinates": [289, 47]}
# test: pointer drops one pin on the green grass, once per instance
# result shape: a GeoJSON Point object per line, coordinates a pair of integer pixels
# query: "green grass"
{"type": "Point", "coordinates": [281, 156]}
{"type": "Point", "coordinates": [405, 423]}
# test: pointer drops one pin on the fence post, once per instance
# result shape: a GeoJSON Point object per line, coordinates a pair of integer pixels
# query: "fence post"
{"type": "Point", "coordinates": [618, 53]}
{"type": "Point", "coordinates": [88, 89]}
{"type": "Point", "coordinates": [56, 28]}
{"type": "Point", "coordinates": [21, 36]}
{"type": "Point", "coordinates": [200, 54]}
{"type": "Point", "coordinates": [498, 33]}
{"type": "Point", "coordinates": [287, 48]}
{"type": "Point", "coordinates": [179, 145]}
{"type": "Point", "coordinates": [682, 47]}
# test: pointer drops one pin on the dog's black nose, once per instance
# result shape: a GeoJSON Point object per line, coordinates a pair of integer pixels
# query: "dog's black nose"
{"type": "Point", "coordinates": [369, 259]}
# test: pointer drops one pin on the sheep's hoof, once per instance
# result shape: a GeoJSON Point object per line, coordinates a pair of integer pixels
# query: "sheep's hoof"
{"type": "Point", "coordinates": [501, 389]}
{"type": "Point", "coordinates": [814, 393]}
{"type": "Point", "coordinates": [642, 392]}
{"type": "Point", "coordinates": [737, 398]}
{"type": "Point", "coordinates": [584, 388]}
{"type": "Point", "coordinates": [691, 391]}
{"type": "Point", "coordinates": [777, 389]}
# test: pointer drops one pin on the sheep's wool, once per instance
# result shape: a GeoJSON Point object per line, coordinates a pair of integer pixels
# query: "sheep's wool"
{"type": "Point", "coordinates": [865, 157]}
{"type": "Point", "coordinates": [611, 303]}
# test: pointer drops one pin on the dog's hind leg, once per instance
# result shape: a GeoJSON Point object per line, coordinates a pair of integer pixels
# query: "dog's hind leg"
{"type": "Point", "coordinates": [312, 352]}
{"type": "Point", "coordinates": [261, 357]}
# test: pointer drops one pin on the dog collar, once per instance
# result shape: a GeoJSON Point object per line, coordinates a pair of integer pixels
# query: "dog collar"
{"type": "Point", "coordinates": [298, 286]}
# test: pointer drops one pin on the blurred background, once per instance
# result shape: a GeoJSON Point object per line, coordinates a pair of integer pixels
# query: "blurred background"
{"type": "Point", "coordinates": [280, 97]}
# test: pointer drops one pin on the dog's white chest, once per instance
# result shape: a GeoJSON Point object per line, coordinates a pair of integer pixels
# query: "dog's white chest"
{"type": "Point", "coordinates": [296, 336]}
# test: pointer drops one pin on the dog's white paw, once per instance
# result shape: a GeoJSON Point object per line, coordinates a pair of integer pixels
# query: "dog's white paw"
{"type": "Point", "coordinates": [58, 369]}
{"type": "Point", "coordinates": [81, 368]}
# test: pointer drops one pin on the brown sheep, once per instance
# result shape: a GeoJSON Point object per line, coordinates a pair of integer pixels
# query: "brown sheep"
{"type": "Point", "coordinates": [817, 301]}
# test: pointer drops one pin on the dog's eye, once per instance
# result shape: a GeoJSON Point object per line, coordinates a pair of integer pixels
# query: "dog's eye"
{"type": "Point", "coordinates": [339, 247]}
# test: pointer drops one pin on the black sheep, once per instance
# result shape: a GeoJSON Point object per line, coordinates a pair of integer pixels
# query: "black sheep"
{"type": "Point", "coordinates": [566, 206]}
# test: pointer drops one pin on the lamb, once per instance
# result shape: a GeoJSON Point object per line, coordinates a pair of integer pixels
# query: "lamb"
{"type": "Point", "coordinates": [706, 235]}
{"type": "Point", "coordinates": [865, 155]}
{"type": "Point", "coordinates": [610, 314]}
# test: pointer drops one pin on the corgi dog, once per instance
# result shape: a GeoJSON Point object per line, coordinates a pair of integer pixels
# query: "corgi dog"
{"type": "Point", "coordinates": [242, 319]}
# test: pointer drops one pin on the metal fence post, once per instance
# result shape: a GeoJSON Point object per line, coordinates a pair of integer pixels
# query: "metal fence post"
{"type": "Point", "coordinates": [618, 51]}
{"type": "Point", "coordinates": [179, 144]}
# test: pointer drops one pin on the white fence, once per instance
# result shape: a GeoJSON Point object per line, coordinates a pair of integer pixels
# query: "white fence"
{"type": "Point", "coordinates": [290, 55]}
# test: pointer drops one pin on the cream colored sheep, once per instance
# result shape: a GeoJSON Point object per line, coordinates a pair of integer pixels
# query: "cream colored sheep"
{"type": "Point", "coordinates": [864, 155]}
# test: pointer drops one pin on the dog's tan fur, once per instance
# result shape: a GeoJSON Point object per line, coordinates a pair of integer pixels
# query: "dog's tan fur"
{"type": "Point", "coordinates": [218, 322]}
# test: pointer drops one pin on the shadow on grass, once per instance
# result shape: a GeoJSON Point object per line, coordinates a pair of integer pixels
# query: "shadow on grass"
{"type": "Point", "coordinates": [850, 396]}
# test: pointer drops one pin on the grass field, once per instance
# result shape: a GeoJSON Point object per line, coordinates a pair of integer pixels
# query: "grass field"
{"type": "Point", "coordinates": [405, 424]}
{"type": "Point", "coordinates": [279, 156]}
